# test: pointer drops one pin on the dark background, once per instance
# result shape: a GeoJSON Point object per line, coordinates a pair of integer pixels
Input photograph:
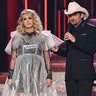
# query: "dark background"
{"type": "Point", "coordinates": [9, 14]}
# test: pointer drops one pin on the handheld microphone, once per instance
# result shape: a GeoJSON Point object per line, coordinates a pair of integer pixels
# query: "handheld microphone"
{"type": "Point", "coordinates": [68, 27]}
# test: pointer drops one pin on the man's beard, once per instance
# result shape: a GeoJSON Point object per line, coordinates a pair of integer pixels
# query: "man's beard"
{"type": "Point", "coordinates": [74, 23]}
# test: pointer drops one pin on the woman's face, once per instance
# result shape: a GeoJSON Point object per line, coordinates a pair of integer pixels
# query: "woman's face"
{"type": "Point", "coordinates": [27, 21]}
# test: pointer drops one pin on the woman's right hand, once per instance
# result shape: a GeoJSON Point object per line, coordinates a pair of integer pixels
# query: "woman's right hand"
{"type": "Point", "coordinates": [10, 81]}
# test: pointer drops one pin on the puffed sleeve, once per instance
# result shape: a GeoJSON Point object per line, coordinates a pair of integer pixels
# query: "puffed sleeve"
{"type": "Point", "coordinates": [8, 47]}
{"type": "Point", "coordinates": [16, 41]}
{"type": "Point", "coordinates": [51, 39]}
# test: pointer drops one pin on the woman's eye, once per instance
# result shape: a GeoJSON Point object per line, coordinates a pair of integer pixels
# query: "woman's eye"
{"type": "Point", "coordinates": [27, 18]}
{"type": "Point", "coordinates": [24, 18]}
{"type": "Point", "coordinates": [30, 18]}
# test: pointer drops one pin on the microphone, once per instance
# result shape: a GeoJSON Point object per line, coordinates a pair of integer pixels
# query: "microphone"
{"type": "Point", "coordinates": [68, 27]}
{"type": "Point", "coordinates": [68, 30]}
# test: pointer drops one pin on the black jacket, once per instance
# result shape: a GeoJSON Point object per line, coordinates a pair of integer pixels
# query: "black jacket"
{"type": "Point", "coordinates": [80, 55]}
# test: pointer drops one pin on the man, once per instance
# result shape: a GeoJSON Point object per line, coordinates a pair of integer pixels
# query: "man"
{"type": "Point", "coordinates": [79, 53]}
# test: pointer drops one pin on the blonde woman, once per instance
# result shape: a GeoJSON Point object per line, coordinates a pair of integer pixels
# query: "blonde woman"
{"type": "Point", "coordinates": [30, 72]}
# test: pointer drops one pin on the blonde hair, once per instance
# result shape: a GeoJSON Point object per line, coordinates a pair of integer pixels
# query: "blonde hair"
{"type": "Point", "coordinates": [37, 24]}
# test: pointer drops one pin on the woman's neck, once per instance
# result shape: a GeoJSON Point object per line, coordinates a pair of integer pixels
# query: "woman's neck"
{"type": "Point", "coordinates": [29, 30]}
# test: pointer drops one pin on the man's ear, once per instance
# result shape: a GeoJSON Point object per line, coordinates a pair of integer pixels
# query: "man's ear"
{"type": "Point", "coordinates": [82, 15]}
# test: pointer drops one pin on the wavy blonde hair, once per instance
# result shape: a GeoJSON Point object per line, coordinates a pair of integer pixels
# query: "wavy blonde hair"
{"type": "Point", "coordinates": [37, 24]}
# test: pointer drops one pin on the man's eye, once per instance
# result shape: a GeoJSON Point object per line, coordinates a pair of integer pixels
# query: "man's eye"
{"type": "Point", "coordinates": [75, 14]}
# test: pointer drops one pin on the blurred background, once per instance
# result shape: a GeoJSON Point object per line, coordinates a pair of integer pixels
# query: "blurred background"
{"type": "Point", "coordinates": [51, 13]}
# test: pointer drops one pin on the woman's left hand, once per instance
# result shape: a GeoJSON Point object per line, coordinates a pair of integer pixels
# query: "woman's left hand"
{"type": "Point", "coordinates": [48, 82]}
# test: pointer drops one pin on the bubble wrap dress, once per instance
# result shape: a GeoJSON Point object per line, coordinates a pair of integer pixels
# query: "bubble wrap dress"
{"type": "Point", "coordinates": [29, 77]}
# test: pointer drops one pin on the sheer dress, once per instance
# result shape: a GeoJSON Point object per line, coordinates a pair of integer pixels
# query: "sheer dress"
{"type": "Point", "coordinates": [30, 61]}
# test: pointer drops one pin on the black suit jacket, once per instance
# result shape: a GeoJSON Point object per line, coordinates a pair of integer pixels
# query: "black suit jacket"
{"type": "Point", "coordinates": [80, 55]}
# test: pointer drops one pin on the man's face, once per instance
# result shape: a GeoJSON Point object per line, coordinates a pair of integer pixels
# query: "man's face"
{"type": "Point", "coordinates": [76, 18]}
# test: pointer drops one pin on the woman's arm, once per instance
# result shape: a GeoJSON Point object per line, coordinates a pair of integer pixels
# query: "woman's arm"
{"type": "Point", "coordinates": [48, 67]}
{"type": "Point", "coordinates": [12, 64]}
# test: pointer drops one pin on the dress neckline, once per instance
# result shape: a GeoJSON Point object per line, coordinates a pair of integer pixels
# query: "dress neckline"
{"type": "Point", "coordinates": [30, 34]}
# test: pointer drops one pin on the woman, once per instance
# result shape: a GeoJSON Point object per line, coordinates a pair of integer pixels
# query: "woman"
{"type": "Point", "coordinates": [30, 71]}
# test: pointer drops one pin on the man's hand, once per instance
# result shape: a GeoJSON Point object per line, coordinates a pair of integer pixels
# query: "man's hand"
{"type": "Point", "coordinates": [54, 48]}
{"type": "Point", "coordinates": [69, 36]}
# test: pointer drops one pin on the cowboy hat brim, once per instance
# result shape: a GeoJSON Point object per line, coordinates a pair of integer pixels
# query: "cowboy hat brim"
{"type": "Point", "coordinates": [78, 9]}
